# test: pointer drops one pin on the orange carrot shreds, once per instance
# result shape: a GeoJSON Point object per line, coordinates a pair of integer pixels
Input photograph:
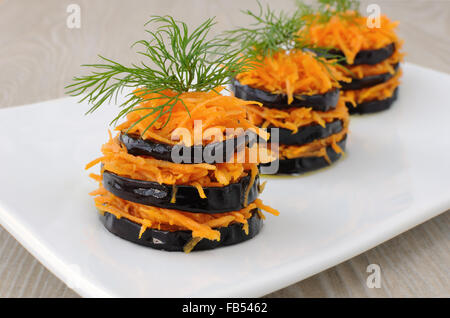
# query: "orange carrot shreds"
{"type": "Point", "coordinates": [257, 153]}
{"type": "Point", "coordinates": [350, 34]}
{"type": "Point", "coordinates": [386, 66]}
{"type": "Point", "coordinates": [266, 208]}
{"type": "Point", "coordinates": [93, 163]}
{"type": "Point", "coordinates": [216, 113]}
{"type": "Point", "coordinates": [261, 187]}
{"type": "Point", "coordinates": [292, 73]}
{"type": "Point", "coordinates": [191, 244]}
{"type": "Point", "coordinates": [316, 148]}
{"type": "Point", "coordinates": [117, 160]}
{"type": "Point", "coordinates": [174, 194]}
{"type": "Point", "coordinates": [253, 175]}
{"type": "Point", "coordinates": [376, 92]}
{"type": "Point", "coordinates": [294, 118]}
{"type": "Point", "coordinates": [96, 177]}
{"type": "Point", "coordinates": [202, 225]}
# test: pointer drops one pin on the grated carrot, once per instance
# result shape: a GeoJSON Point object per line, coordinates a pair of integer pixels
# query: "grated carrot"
{"type": "Point", "coordinates": [386, 66]}
{"type": "Point", "coordinates": [254, 173]}
{"type": "Point", "coordinates": [316, 148]}
{"type": "Point", "coordinates": [202, 225]}
{"type": "Point", "coordinates": [117, 160]}
{"type": "Point", "coordinates": [376, 92]}
{"type": "Point", "coordinates": [350, 34]}
{"type": "Point", "coordinates": [294, 118]}
{"type": "Point", "coordinates": [292, 73]}
{"type": "Point", "coordinates": [217, 112]}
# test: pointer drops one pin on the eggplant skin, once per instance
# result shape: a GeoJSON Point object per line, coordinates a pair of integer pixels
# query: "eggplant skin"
{"type": "Point", "coordinates": [175, 241]}
{"type": "Point", "coordinates": [137, 146]}
{"type": "Point", "coordinates": [370, 57]}
{"type": "Point", "coordinates": [308, 133]}
{"type": "Point", "coordinates": [360, 83]}
{"type": "Point", "coordinates": [307, 164]}
{"type": "Point", "coordinates": [319, 102]}
{"type": "Point", "coordinates": [218, 199]}
{"type": "Point", "coordinates": [374, 106]}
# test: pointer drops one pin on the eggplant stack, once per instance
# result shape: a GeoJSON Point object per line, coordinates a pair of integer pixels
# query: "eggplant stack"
{"type": "Point", "coordinates": [299, 92]}
{"type": "Point", "coordinates": [369, 50]}
{"type": "Point", "coordinates": [171, 179]}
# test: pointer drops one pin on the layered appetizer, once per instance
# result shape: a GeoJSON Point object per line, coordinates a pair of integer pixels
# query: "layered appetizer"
{"type": "Point", "coordinates": [368, 47]}
{"type": "Point", "coordinates": [299, 90]}
{"type": "Point", "coordinates": [174, 178]}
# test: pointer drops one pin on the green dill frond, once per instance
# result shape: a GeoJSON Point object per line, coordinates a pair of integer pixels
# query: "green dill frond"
{"type": "Point", "coordinates": [270, 31]}
{"type": "Point", "coordinates": [339, 5]}
{"type": "Point", "coordinates": [174, 59]}
{"type": "Point", "coordinates": [273, 31]}
{"type": "Point", "coordinates": [329, 8]}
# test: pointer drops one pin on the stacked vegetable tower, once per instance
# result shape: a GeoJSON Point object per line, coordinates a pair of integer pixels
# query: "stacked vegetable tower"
{"type": "Point", "coordinates": [299, 92]}
{"type": "Point", "coordinates": [171, 178]}
{"type": "Point", "coordinates": [369, 50]}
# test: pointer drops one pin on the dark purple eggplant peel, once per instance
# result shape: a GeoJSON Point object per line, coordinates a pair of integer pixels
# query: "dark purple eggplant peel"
{"type": "Point", "coordinates": [308, 133]}
{"type": "Point", "coordinates": [307, 164]}
{"type": "Point", "coordinates": [218, 199]}
{"type": "Point", "coordinates": [360, 83]}
{"type": "Point", "coordinates": [175, 241]}
{"type": "Point", "coordinates": [373, 106]}
{"type": "Point", "coordinates": [218, 152]}
{"type": "Point", "coordinates": [319, 102]}
{"type": "Point", "coordinates": [370, 57]}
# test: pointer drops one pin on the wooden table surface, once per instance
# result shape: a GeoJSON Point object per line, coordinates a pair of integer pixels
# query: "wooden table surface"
{"type": "Point", "coordinates": [39, 55]}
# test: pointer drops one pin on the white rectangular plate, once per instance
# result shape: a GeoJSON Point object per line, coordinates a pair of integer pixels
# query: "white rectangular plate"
{"type": "Point", "coordinates": [396, 175]}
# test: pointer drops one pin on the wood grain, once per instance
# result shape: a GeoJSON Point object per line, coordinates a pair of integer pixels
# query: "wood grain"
{"type": "Point", "coordinates": [39, 55]}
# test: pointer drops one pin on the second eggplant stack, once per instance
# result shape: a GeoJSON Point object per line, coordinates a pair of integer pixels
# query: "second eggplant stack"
{"type": "Point", "coordinates": [298, 90]}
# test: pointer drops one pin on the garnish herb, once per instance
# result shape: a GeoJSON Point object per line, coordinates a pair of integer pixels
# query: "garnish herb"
{"type": "Point", "coordinates": [176, 59]}
{"type": "Point", "coordinates": [271, 32]}
{"type": "Point", "coordinates": [329, 8]}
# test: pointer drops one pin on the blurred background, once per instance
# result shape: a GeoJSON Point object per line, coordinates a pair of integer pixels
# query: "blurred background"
{"type": "Point", "coordinates": [39, 54]}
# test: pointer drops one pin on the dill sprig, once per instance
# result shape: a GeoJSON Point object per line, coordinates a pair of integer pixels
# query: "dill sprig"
{"type": "Point", "coordinates": [270, 32]}
{"type": "Point", "coordinates": [329, 8]}
{"type": "Point", "coordinates": [273, 31]}
{"type": "Point", "coordinates": [177, 60]}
